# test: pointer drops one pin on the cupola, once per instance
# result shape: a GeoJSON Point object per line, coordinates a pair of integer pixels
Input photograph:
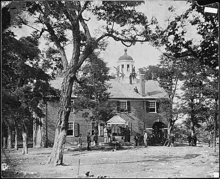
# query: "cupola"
{"type": "Point", "coordinates": [125, 67]}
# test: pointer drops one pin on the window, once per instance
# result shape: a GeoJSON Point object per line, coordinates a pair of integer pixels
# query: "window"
{"type": "Point", "coordinates": [151, 106]}
{"type": "Point", "coordinates": [101, 130]}
{"type": "Point", "coordinates": [128, 68]}
{"type": "Point", "coordinates": [70, 128]}
{"type": "Point", "coordinates": [73, 129]}
{"type": "Point", "coordinates": [123, 106]}
{"type": "Point", "coordinates": [122, 66]}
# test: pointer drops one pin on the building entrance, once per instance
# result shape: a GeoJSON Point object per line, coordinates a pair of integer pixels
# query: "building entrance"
{"type": "Point", "coordinates": [158, 135]}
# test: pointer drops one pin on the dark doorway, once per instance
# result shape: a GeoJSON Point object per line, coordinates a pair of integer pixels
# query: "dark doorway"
{"type": "Point", "coordinates": [158, 134]}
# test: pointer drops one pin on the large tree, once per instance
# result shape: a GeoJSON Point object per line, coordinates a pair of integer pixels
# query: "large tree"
{"type": "Point", "coordinates": [63, 22]}
{"type": "Point", "coordinates": [195, 60]}
{"type": "Point", "coordinates": [24, 82]}
{"type": "Point", "coordinates": [202, 82]}
{"type": "Point", "coordinates": [168, 74]}
{"type": "Point", "coordinates": [92, 92]}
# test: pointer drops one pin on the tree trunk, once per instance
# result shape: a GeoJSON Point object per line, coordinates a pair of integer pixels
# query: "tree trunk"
{"type": "Point", "coordinates": [9, 143]}
{"type": "Point", "coordinates": [25, 141]}
{"type": "Point", "coordinates": [39, 136]}
{"type": "Point", "coordinates": [168, 130]}
{"type": "Point", "coordinates": [34, 132]}
{"type": "Point", "coordinates": [192, 128]}
{"type": "Point", "coordinates": [56, 157]}
{"type": "Point", "coordinates": [215, 123]}
{"type": "Point", "coordinates": [4, 142]}
{"type": "Point", "coordinates": [16, 138]}
{"type": "Point", "coordinates": [44, 129]}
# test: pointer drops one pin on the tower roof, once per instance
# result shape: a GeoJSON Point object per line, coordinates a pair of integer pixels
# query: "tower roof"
{"type": "Point", "coordinates": [125, 56]}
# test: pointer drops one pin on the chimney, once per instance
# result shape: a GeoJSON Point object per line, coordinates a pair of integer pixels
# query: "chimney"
{"type": "Point", "coordinates": [142, 84]}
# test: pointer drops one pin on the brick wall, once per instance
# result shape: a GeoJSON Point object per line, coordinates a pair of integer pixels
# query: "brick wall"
{"type": "Point", "coordinates": [138, 119]}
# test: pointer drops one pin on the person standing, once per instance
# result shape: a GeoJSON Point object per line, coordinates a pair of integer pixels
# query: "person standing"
{"type": "Point", "coordinates": [109, 135]}
{"type": "Point", "coordinates": [95, 138]}
{"type": "Point", "coordinates": [172, 139]}
{"type": "Point", "coordinates": [194, 139]}
{"type": "Point", "coordinates": [189, 140]}
{"type": "Point", "coordinates": [105, 135]}
{"type": "Point", "coordinates": [88, 141]}
{"type": "Point", "coordinates": [136, 140]}
{"type": "Point", "coordinates": [145, 138]}
{"type": "Point", "coordinates": [80, 141]}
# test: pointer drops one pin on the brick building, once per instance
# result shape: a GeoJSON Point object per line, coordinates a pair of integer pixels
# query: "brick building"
{"type": "Point", "coordinates": [136, 102]}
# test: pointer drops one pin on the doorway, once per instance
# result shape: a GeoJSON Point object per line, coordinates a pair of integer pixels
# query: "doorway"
{"type": "Point", "coordinates": [158, 135]}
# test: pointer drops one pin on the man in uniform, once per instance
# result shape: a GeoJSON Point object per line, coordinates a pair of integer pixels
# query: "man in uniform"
{"type": "Point", "coordinates": [88, 141]}
{"type": "Point", "coordinates": [145, 138]}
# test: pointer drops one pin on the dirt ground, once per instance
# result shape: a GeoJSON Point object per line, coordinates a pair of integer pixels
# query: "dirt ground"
{"type": "Point", "coordinates": [150, 162]}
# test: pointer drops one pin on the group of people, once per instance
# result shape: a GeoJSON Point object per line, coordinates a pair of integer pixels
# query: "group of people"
{"type": "Point", "coordinates": [141, 139]}
{"type": "Point", "coordinates": [149, 139]}
{"type": "Point", "coordinates": [192, 139]}
{"type": "Point", "coordinates": [89, 140]}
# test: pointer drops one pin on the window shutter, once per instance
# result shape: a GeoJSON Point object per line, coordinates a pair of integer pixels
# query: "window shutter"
{"type": "Point", "coordinates": [76, 129]}
{"type": "Point", "coordinates": [147, 106]}
{"type": "Point", "coordinates": [118, 106]}
{"type": "Point", "coordinates": [129, 106]}
{"type": "Point", "coordinates": [157, 106]}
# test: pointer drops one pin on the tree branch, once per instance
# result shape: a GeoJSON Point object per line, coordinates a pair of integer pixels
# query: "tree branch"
{"type": "Point", "coordinates": [83, 9]}
{"type": "Point", "coordinates": [55, 38]}
{"type": "Point", "coordinates": [24, 23]}
{"type": "Point", "coordinates": [123, 40]}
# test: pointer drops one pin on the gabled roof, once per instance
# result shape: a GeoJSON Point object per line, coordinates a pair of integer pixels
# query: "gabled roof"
{"type": "Point", "coordinates": [120, 90]}
{"type": "Point", "coordinates": [116, 120]}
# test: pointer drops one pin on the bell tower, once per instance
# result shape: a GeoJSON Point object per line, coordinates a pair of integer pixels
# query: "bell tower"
{"type": "Point", "coordinates": [125, 67]}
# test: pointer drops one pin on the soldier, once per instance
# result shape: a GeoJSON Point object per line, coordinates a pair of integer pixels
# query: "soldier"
{"type": "Point", "coordinates": [194, 140]}
{"type": "Point", "coordinates": [145, 138]}
{"type": "Point", "coordinates": [136, 138]}
{"type": "Point", "coordinates": [88, 141]}
{"type": "Point", "coordinates": [95, 138]}
{"type": "Point", "coordinates": [172, 139]}
{"type": "Point", "coordinates": [189, 139]}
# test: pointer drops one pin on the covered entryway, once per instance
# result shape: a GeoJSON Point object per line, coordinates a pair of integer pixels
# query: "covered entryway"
{"type": "Point", "coordinates": [158, 135]}
{"type": "Point", "coordinates": [118, 128]}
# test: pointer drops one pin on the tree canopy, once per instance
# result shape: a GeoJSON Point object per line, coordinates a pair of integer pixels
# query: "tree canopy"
{"type": "Point", "coordinates": [92, 90]}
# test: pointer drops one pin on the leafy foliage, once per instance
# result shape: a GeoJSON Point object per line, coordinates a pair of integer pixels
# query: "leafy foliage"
{"type": "Point", "coordinates": [24, 83]}
{"type": "Point", "coordinates": [194, 64]}
{"type": "Point", "coordinates": [92, 92]}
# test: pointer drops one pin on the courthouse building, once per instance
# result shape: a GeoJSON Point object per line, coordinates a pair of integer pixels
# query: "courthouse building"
{"type": "Point", "coordinates": [136, 105]}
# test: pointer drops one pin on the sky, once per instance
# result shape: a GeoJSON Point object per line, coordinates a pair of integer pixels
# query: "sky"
{"type": "Point", "coordinates": [143, 54]}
